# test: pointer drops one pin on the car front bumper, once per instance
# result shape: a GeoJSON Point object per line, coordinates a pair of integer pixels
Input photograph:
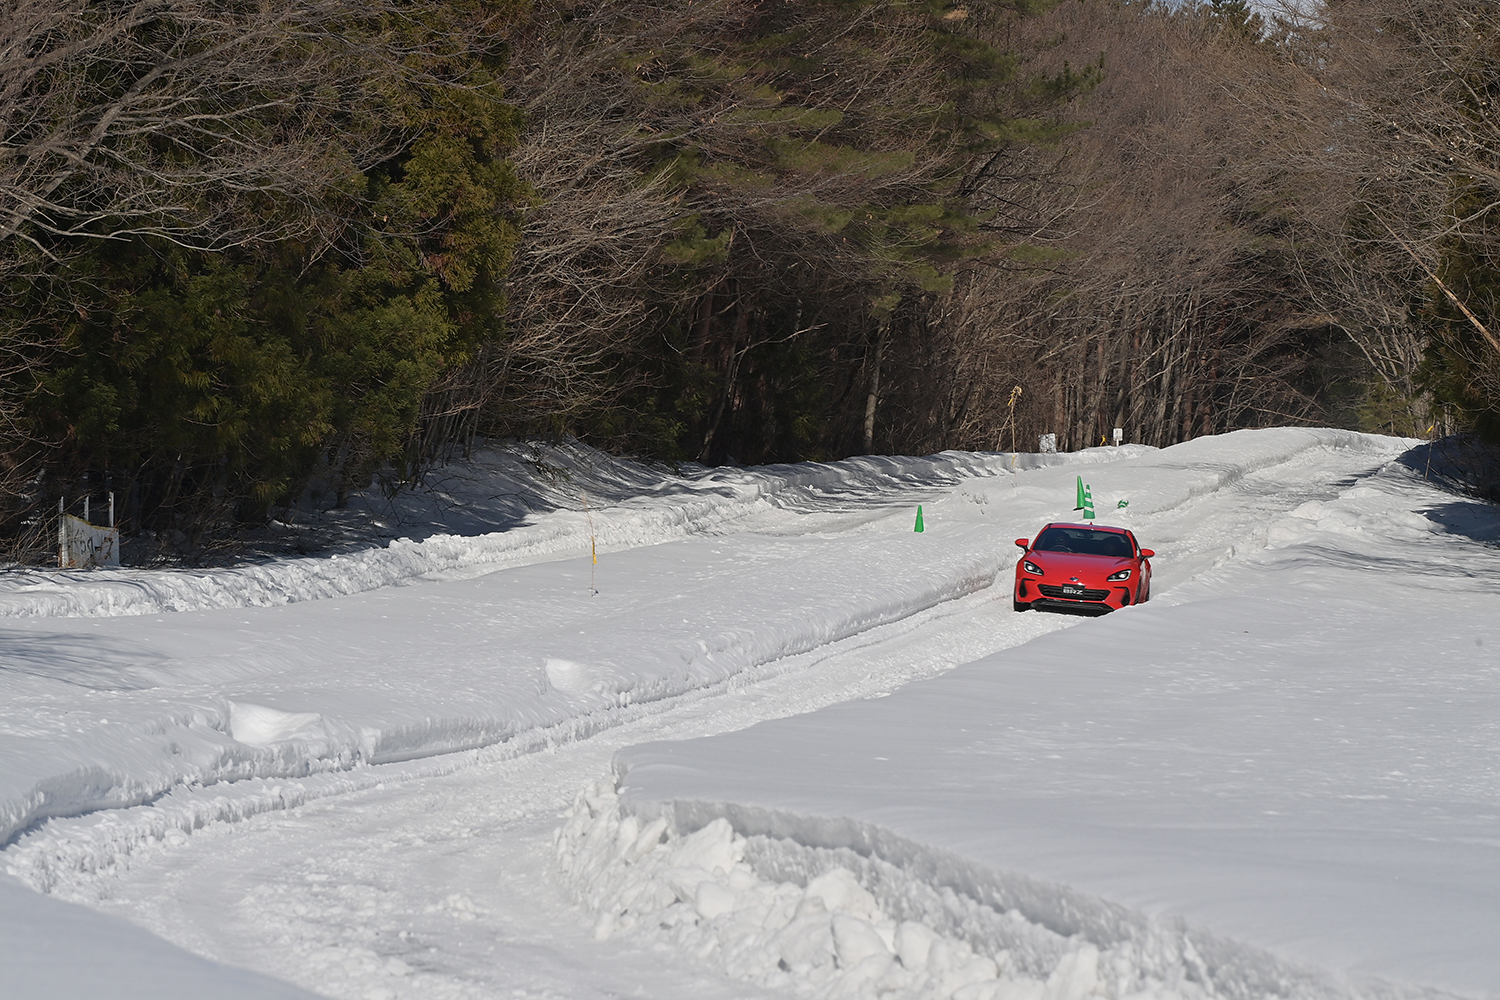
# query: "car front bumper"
{"type": "Point", "coordinates": [1104, 596]}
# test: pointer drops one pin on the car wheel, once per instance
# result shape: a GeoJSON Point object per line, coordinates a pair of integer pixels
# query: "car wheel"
{"type": "Point", "coordinates": [1144, 594]}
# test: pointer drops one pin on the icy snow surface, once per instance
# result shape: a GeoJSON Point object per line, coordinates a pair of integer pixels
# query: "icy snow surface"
{"type": "Point", "coordinates": [1278, 779]}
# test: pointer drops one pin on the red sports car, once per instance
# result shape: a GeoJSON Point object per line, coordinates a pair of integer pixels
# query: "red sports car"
{"type": "Point", "coordinates": [1083, 566]}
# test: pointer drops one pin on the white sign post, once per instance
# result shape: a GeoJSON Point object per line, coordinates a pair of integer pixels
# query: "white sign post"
{"type": "Point", "coordinates": [83, 546]}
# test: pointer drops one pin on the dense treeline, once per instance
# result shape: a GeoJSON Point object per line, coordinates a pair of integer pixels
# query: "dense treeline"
{"type": "Point", "coordinates": [255, 252]}
{"type": "Point", "coordinates": [241, 241]}
{"type": "Point", "coordinates": [741, 205]}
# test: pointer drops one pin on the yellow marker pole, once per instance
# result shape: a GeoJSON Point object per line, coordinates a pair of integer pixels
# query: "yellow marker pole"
{"type": "Point", "coordinates": [593, 543]}
{"type": "Point", "coordinates": [1015, 455]}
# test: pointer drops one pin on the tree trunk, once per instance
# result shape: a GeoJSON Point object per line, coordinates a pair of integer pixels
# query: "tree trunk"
{"type": "Point", "coordinates": [870, 400]}
{"type": "Point", "coordinates": [741, 326]}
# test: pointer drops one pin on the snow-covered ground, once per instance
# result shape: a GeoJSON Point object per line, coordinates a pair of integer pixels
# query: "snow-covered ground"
{"type": "Point", "coordinates": [1277, 779]}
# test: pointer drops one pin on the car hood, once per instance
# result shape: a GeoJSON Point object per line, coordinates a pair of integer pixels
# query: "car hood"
{"type": "Point", "coordinates": [1074, 564]}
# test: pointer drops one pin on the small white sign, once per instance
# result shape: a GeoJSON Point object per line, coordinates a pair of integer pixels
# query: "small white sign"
{"type": "Point", "coordinates": [1049, 444]}
{"type": "Point", "coordinates": [83, 546]}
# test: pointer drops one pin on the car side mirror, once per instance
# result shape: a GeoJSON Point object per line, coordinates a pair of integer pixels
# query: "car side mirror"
{"type": "Point", "coordinates": [1147, 553]}
{"type": "Point", "coordinates": [1022, 543]}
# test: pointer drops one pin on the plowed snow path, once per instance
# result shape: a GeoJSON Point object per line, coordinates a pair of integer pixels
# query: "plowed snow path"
{"type": "Point", "coordinates": [430, 878]}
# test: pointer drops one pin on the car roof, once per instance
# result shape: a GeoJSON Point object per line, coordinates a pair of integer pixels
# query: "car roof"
{"type": "Point", "coordinates": [1091, 527]}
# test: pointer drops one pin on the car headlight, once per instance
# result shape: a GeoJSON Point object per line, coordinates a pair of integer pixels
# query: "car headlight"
{"type": "Point", "coordinates": [1124, 574]}
{"type": "Point", "coordinates": [1031, 567]}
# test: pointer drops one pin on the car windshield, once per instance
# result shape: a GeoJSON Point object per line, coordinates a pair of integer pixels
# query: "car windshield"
{"type": "Point", "coordinates": [1084, 541]}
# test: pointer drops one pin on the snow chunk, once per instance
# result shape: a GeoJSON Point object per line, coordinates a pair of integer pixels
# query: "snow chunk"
{"type": "Point", "coordinates": [840, 890]}
{"type": "Point", "coordinates": [855, 940]}
{"type": "Point", "coordinates": [913, 942]}
{"type": "Point", "coordinates": [259, 725]}
{"type": "Point", "coordinates": [713, 900]}
{"type": "Point", "coordinates": [569, 677]}
{"type": "Point", "coordinates": [711, 849]}
{"type": "Point", "coordinates": [1076, 975]}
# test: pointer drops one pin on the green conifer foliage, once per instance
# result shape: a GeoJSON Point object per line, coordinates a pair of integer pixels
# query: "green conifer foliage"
{"type": "Point", "coordinates": [211, 384]}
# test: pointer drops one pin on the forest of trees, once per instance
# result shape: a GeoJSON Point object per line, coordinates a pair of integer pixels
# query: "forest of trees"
{"type": "Point", "coordinates": [251, 253]}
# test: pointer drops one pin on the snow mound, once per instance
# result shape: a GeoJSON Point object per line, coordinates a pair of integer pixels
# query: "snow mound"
{"type": "Point", "coordinates": [827, 924]}
{"type": "Point", "coordinates": [259, 725]}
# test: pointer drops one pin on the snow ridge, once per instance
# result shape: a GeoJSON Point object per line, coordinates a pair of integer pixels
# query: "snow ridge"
{"type": "Point", "coordinates": [831, 908]}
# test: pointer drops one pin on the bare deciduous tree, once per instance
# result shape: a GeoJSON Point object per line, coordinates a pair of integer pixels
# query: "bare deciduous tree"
{"type": "Point", "coordinates": [745, 174]}
{"type": "Point", "coordinates": [1147, 287]}
{"type": "Point", "coordinates": [194, 121]}
{"type": "Point", "coordinates": [1398, 141]}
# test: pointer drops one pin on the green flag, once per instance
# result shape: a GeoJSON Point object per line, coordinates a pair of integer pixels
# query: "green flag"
{"type": "Point", "coordinates": [919, 519]}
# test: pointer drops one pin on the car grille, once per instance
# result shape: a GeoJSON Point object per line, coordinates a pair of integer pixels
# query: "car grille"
{"type": "Point", "coordinates": [1057, 593]}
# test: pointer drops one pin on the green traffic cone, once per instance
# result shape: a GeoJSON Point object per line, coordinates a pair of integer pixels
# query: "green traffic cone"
{"type": "Point", "coordinates": [1088, 504]}
{"type": "Point", "coordinates": [1078, 505]}
{"type": "Point", "coordinates": [918, 528]}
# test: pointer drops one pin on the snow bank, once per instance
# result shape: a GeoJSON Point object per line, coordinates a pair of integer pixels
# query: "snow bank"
{"type": "Point", "coordinates": [827, 923]}
{"type": "Point", "coordinates": [115, 714]}
{"type": "Point", "coordinates": [549, 504]}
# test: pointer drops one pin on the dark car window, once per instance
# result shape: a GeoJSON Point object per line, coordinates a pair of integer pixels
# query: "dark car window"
{"type": "Point", "coordinates": [1084, 541]}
